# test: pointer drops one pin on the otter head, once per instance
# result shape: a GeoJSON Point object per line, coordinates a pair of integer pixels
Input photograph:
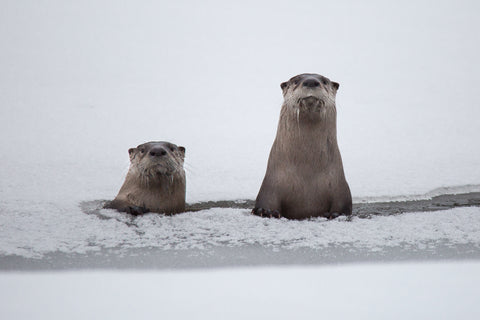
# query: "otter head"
{"type": "Point", "coordinates": [153, 160]}
{"type": "Point", "coordinates": [311, 96]}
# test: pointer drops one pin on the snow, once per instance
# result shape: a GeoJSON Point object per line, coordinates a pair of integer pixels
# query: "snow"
{"type": "Point", "coordinates": [80, 83]}
{"type": "Point", "coordinates": [207, 230]}
{"type": "Point", "coordinates": [367, 291]}
{"type": "Point", "coordinates": [80, 97]}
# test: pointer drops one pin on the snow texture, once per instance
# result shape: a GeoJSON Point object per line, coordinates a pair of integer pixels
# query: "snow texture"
{"type": "Point", "coordinates": [233, 228]}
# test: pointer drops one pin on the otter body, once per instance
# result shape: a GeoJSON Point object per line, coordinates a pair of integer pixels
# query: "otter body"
{"type": "Point", "coordinates": [155, 181]}
{"type": "Point", "coordinates": [305, 176]}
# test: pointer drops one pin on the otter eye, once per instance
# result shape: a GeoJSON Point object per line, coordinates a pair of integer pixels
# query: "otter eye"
{"type": "Point", "coordinates": [324, 82]}
{"type": "Point", "coordinates": [142, 150]}
{"type": "Point", "coordinates": [172, 149]}
{"type": "Point", "coordinates": [295, 81]}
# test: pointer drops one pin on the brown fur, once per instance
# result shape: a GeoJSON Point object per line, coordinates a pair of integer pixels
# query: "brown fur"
{"type": "Point", "coordinates": [155, 181]}
{"type": "Point", "coordinates": [304, 176]}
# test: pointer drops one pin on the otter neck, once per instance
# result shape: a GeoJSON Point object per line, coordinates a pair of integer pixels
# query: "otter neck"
{"type": "Point", "coordinates": [161, 182]}
{"type": "Point", "coordinates": [164, 182]}
{"type": "Point", "coordinates": [315, 138]}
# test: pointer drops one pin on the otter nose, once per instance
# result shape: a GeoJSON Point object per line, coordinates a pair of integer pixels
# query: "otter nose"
{"type": "Point", "coordinates": [157, 152]}
{"type": "Point", "coordinates": [311, 83]}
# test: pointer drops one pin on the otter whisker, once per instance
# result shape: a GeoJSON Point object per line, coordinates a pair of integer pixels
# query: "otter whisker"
{"type": "Point", "coordinates": [188, 168]}
{"type": "Point", "coordinates": [298, 118]}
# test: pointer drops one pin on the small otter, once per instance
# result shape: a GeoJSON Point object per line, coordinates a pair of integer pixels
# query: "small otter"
{"type": "Point", "coordinates": [155, 181]}
{"type": "Point", "coordinates": [304, 176]}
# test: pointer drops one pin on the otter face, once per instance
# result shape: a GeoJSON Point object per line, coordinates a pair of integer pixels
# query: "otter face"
{"type": "Point", "coordinates": [310, 93]}
{"type": "Point", "coordinates": [157, 158]}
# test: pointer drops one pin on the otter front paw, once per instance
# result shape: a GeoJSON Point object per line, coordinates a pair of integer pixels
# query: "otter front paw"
{"type": "Point", "coordinates": [266, 213]}
{"type": "Point", "coordinates": [332, 215]}
{"type": "Point", "coordinates": [136, 210]}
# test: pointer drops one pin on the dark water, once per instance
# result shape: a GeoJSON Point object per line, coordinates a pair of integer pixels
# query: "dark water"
{"type": "Point", "coordinates": [441, 202]}
{"type": "Point", "coordinates": [361, 210]}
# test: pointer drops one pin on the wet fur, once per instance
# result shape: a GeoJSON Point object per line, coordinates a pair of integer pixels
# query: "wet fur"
{"type": "Point", "coordinates": [305, 176]}
{"type": "Point", "coordinates": [151, 184]}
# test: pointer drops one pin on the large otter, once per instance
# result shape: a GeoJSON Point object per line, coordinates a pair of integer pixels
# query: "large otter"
{"type": "Point", "coordinates": [155, 181]}
{"type": "Point", "coordinates": [305, 175]}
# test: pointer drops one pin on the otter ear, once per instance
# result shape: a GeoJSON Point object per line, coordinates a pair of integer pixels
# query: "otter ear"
{"type": "Point", "coordinates": [182, 150]}
{"type": "Point", "coordinates": [283, 85]}
{"type": "Point", "coordinates": [132, 152]}
{"type": "Point", "coordinates": [335, 85]}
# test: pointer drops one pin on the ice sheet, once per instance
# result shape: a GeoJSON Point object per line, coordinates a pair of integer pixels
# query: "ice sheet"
{"type": "Point", "coordinates": [395, 291]}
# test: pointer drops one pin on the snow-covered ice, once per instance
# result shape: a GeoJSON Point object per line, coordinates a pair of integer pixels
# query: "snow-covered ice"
{"type": "Point", "coordinates": [234, 228]}
{"type": "Point", "coordinates": [401, 291]}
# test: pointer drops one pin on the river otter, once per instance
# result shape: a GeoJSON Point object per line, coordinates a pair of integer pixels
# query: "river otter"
{"type": "Point", "coordinates": [155, 181]}
{"type": "Point", "coordinates": [304, 176]}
